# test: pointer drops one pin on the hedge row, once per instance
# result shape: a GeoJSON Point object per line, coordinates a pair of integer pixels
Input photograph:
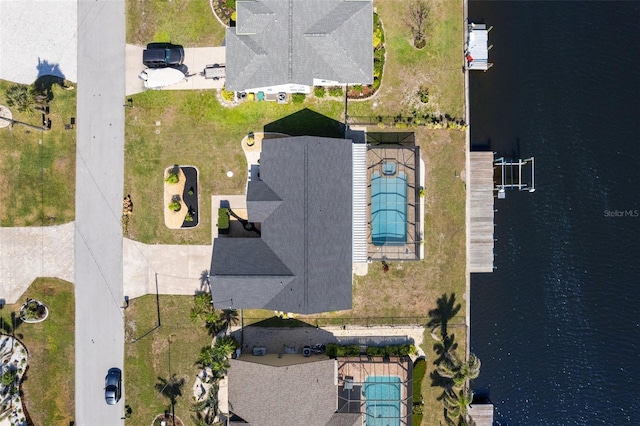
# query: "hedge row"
{"type": "Point", "coordinates": [335, 350]}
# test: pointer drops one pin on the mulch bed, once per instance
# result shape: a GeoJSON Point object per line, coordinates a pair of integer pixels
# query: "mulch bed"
{"type": "Point", "coordinates": [191, 200]}
{"type": "Point", "coordinates": [223, 12]}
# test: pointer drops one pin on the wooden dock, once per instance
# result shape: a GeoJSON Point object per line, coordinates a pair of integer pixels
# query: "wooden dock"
{"type": "Point", "coordinates": [481, 212]}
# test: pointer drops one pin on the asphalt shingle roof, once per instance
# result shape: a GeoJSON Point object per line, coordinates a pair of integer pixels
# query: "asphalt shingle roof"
{"type": "Point", "coordinates": [294, 41]}
{"type": "Point", "coordinates": [302, 394]}
{"type": "Point", "coordinates": [302, 262]}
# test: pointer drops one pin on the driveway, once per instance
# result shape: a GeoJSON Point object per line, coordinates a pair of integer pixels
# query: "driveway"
{"type": "Point", "coordinates": [195, 61]}
{"type": "Point", "coordinates": [29, 253]}
{"type": "Point", "coordinates": [167, 269]}
{"type": "Point", "coordinates": [99, 334]}
{"type": "Point", "coordinates": [38, 38]}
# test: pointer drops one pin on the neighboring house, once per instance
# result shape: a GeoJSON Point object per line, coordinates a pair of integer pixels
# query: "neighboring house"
{"type": "Point", "coordinates": [291, 45]}
{"type": "Point", "coordinates": [276, 390]}
{"type": "Point", "coordinates": [303, 204]}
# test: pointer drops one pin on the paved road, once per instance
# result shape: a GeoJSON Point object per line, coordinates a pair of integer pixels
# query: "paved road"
{"type": "Point", "coordinates": [99, 186]}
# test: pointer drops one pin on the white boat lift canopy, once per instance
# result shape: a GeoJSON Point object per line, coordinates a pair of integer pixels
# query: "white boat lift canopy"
{"type": "Point", "coordinates": [477, 52]}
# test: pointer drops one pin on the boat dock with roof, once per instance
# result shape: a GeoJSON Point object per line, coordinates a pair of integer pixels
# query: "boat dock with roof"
{"type": "Point", "coordinates": [477, 47]}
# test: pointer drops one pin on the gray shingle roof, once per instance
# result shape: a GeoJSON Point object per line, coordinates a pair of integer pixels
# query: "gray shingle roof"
{"type": "Point", "coordinates": [308, 235]}
{"type": "Point", "coordinates": [302, 394]}
{"type": "Point", "coordinates": [294, 41]}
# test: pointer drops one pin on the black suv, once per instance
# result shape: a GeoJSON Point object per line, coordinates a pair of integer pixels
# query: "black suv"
{"type": "Point", "coordinates": [160, 55]}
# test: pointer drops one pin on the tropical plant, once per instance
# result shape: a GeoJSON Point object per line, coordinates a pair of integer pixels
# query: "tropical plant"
{"type": "Point", "coordinates": [457, 404]}
{"type": "Point", "coordinates": [225, 346]}
{"type": "Point", "coordinates": [203, 309]}
{"type": "Point", "coordinates": [207, 409]}
{"type": "Point", "coordinates": [20, 96]}
{"type": "Point", "coordinates": [227, 318]}
{"type": "Point", "coordinates": [417, 21]}
{"type": "Point", "coordinates": [175, 206]}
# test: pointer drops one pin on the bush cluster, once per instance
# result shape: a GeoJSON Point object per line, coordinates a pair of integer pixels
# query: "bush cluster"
{"type": "Point", "coordinates": [319, 91]}
{"type": "Point", "coordinates": [298, 98]}
{"type": "Point", "coordinates": [395, 350]}
{"type": "Point", "coordinates": [334, 350]}
{"type": "Point", "coordinates": [223, 220]}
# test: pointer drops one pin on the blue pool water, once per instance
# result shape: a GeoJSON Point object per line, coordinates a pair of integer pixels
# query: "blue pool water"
{"type": "Point", "coordinates": [389, 209]}
{"type": "Point", "coordinates": [382, 394]}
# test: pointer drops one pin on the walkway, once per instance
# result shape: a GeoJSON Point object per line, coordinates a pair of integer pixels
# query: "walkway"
{"type": "Point", "coordinates": [29, 253]}
{"type": "Point", "coordinates": [174, 269]}
{"type": "Point", "coordinates": [99, 334]}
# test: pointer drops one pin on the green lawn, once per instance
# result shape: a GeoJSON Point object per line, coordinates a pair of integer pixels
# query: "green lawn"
{"type": "Point", "coordinates": [147, 355]}
{"type": "Point", "coordinates": [37, 168]}
{"type": "Point", "coordinates": [196, 130]}
{"type": "Point", "coordinates": [51, 352]}
{"type": "Point", "coordinates": [187, 22]}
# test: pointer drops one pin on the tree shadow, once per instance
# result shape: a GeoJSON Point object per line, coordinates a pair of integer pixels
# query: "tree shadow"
{"type": "Point", "coordinates": [170, 388]}
{"type": "Point", "coordinates": [307, 123]}
{"type": "Point", "coordinates": [204, 281]}
{"type": "Point", "coordinates": [446, 310]}
{"type": "Point", "coordinates": [443, 347]}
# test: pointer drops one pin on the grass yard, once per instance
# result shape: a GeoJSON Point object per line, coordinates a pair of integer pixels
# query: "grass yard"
{"type": "Point", "coordinates": [51, 352]}
{"type": "Point", "coordinates": [196, 130]}
{"type": "Point", "coordinates": [190, 23]}
{"type": "Point", "coordinates": [147, 359]}
{"type": "Point", "coordinates": [38, 168]}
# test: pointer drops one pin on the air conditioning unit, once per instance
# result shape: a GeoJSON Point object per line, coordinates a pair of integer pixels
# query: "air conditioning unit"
{"type": "Point", "coordinates": [306, 351]}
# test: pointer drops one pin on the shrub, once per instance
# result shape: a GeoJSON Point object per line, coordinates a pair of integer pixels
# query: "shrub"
{"type": "Point", "coordinates": [223, 220]}
{"type": "Point", "coordinates": [419, 370]}
{"type": "Point", "coordinates": [175, 205]}
{"type": "Point", "coordinates": [377, 38]}
{"type": "Point", "coordinates": [173, 177]}
{"type": "Point", "coordinates": [319, 91]}
{"type": "Point", "coordinates": [357, 88]}
{"type": "Point", "coordinates": [231, 4]}
{"type": "Point", "coordinates": [234, 15]}
{"type": "Point", "coordinates": [423, 94]}
{"type": "Point", "coordinates": [188, 218]}
{"type": "Point", "coordinates": [334, 350]}
{"type": "Point", "coordinates": [423, 192]}
{"type": "Point", "coordinates": [20, 96]}
{"type": "Point", "coordinates": [298, 98]}
{"type": "Point", "coordinates": [227, 95]}
{"type": "Point", "coordinates": [336, 91]}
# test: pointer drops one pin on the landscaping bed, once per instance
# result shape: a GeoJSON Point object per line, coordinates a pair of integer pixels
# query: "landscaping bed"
{"type": "Point", "coordinates": [181, 197]}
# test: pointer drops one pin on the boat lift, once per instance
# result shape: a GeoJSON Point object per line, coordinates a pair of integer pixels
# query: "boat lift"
{"type": "Point", "coordinates": [508, 175]}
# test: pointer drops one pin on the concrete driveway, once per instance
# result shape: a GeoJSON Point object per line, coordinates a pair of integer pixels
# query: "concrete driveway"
{"type": "Point", "coordinates": [29, 253]}
{"type": "Point", "coordinates": [167, 269]}
{"type": "Point", "coordinates": [195, 61]}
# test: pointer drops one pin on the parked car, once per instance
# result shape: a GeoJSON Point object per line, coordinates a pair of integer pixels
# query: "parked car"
{"type": "Point", "coordinates": [160, 55]}
{"type": "Point", "coordinates": [113, 386]}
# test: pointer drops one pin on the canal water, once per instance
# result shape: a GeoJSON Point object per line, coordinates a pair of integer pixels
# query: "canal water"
{"type": "Point", "coordinates": [557, 325]}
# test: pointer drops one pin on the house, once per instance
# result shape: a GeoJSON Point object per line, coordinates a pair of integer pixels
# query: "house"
{"type": "Point", "coordinates": [290, 389]}
{"type": "Point", "coordinates": [302, 261]}
{"type": "Point", "coordinates": [291, 45]}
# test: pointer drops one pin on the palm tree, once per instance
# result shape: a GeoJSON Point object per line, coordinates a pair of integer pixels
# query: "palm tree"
{"type": "Point", "coordinates": [458, 371]}
{"type": "Point", "coordinates": [227, 318]}
{"type": "Point", "coordinates": [225, 346]}
{"type": "Point", "coordinates": [207, 409]}
{"type": "Point", "coordinates": [444, 347]}
{"type": "Point", "coordinates": [457, 405]}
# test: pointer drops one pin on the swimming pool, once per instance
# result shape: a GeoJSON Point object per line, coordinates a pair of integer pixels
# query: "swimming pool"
{"type": "Point", "coordinates": [382, 400]}
{"type": "Point", "coordinates": [389, 209]}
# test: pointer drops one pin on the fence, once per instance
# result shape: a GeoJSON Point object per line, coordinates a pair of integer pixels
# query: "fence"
{"type": "Point", "coordinates": [341, 321]}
